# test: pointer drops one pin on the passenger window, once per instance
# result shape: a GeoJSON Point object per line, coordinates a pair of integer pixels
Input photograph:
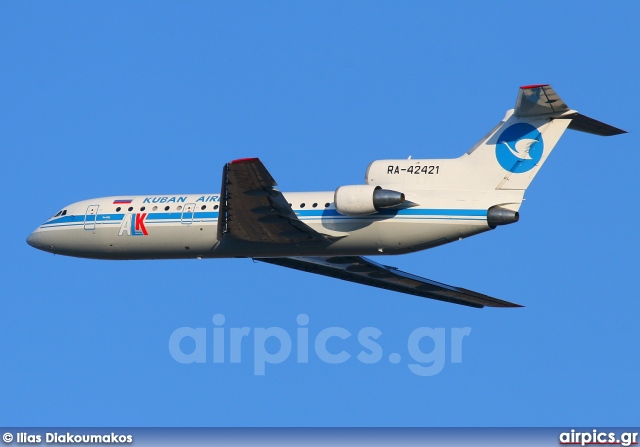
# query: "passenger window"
{"type": "Point", "coordinates": [154, 208]}
{"type": "Point", "coordinates": [215, 207]}
{"type": "Point", "coordinates": [326, 205]}
{"type": "Point", "coordinates": [142, 208]}
{"type": "Point", "coordinates": [130, 208]}
{"type": "Point", "coordinates": [179, 207]}
{"type": "Point", "coordinates": [314, 205]}
{"type": "Point", "coordinates": [166, 208]}
{"type": "Point", "coordinates": [118, 209]}
{"type": "Point", "coordinates": [203, 207]}
{"type": "Point", "coordinates": [302, 205]}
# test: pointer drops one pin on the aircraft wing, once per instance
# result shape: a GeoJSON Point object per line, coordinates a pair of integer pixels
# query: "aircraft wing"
{"type": "Point", "coordinates": [364, 271]}
{"type": "Point", "coordinates": [253, 210]}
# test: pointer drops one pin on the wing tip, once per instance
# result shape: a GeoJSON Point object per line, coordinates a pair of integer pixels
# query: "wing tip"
{"type": "Point", "coordinates": [244, 160]}
{"type": "Point", "coordinates": [525, 87]}
{"type": "Point", "coordinates": [506, 304]}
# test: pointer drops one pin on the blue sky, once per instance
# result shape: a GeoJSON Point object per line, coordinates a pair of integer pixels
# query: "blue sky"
{"type": "Point", "coordinates": [110, 98]}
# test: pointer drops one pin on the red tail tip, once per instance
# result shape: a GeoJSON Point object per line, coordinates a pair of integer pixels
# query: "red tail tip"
{"type": "Point", "coordinates": [534, 86]}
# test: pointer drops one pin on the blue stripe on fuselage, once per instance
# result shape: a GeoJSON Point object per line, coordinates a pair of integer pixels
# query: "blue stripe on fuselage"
{"type": "Point", "coordinates": [390, 212]}
{"type": "Point", "coordinates": [322, 213]}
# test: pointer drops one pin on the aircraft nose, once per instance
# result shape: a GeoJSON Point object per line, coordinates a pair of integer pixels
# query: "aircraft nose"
{"type": "Point", "coordinates": [34, 239]}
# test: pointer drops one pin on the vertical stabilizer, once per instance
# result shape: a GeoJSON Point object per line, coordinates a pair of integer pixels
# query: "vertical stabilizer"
{"type": "Point", "coordinates": [511, 156]}
{"type": "Point", "coordinates": [507, 158]}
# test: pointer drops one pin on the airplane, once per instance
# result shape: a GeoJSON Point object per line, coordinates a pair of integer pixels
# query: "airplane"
{"type": "Point", "coordinates": [404, 206]}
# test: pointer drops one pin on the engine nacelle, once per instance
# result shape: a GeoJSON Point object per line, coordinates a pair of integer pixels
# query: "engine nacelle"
{"type": "Point", "coordinates": [359, 200]}
{"type": "Point", "coordinates": [497, 215]}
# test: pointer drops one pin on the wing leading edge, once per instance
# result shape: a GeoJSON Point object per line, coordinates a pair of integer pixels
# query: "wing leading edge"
{"type": "Point", "coordinates": [364, 271]}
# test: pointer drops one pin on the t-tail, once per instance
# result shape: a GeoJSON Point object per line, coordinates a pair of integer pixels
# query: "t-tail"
{"type": "Point", "coordinates": [504, 162]}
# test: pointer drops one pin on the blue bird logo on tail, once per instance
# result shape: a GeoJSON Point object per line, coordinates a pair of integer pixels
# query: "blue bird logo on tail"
{"type": "Point", "coordinates": [519, 148]}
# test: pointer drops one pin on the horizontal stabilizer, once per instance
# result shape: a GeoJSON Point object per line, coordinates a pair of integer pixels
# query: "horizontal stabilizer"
{"type": "Point", "coordinates": [535, 100]}
{"type": "Point", "coordinates": [542, 99]}
{"type": "Point", "coordinates": [589, 125]}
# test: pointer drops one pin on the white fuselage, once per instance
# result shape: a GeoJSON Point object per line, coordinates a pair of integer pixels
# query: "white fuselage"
{"type": "Point", "coordinates": [185, 226]}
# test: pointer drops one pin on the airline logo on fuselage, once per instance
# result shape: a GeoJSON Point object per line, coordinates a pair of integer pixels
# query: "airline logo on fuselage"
{"type": "Point", "coordinates": [133, 225]}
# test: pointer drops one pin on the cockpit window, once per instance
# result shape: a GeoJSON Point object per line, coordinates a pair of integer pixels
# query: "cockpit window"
{"type": "Point", "coordinates": [60, 213]}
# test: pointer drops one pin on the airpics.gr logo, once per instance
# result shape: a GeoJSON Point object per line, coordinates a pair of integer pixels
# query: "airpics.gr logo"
{"type": "Point", "coordinates": [519, 148]}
